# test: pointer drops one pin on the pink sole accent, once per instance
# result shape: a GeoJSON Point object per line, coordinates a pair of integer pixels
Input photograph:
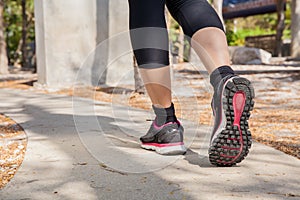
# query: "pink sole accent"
{"type": "Point", "coordinates": [234, 139]}
{"type": "Point", "coordinates": [229, 148]}
{"type": "Point", "coordinates": [164, 145]}
{"type": "Point", "coordinates": [238, 106]}
{"type": "Point", "coordinates": [227, 156]}
{"type": "Point", "coordinates": [160, 127]}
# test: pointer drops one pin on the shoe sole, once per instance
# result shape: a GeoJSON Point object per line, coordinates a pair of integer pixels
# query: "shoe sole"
{"type": "Point", "coordinates": [232, 142]}
{"type": "Point", "coordinates": [166, 149]}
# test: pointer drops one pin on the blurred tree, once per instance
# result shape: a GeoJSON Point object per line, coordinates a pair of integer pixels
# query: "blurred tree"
{"type": "Point", "coordinates": [3, 54]}
{"type": "Point", "coordinates": [19, 31]}
{"type": "Point", "coordinates": [24, 50]}
{"type": "Point", "coordinates": [295, 29]}
{"type": "Point", "coordinates": [280, 26]}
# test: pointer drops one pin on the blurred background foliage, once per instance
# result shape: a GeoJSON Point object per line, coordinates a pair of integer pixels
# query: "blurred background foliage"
{"type": "Point", "coordinates": [13, 19]}
{"type": "Point", "coordinates": [236, 30]}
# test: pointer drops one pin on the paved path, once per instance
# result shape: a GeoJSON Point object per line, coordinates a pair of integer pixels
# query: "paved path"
{"type": "Point", "coordinates": [80, 149]}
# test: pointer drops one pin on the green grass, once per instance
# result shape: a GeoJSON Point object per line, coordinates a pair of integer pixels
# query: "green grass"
{"type": "Point", "coordinates": [238, 38]}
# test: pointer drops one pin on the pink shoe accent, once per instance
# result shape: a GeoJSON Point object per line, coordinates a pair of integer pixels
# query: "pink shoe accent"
{"type": "Point", "coordinates": [233, 139]}
{"type": "Point", "coordinates": [160, 127]}
{"type": "Point", "coordinates": [227, 156]}
{"type": "Point", "coordinates": [230, 148]}
{"type": "Point", "coordinates": [238, 107]}
{"type": "Point", "coordinates": [164, 145]}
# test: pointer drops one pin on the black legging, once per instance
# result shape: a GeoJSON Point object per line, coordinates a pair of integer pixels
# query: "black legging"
{"type": "Point", "coordinates": [149, 36]}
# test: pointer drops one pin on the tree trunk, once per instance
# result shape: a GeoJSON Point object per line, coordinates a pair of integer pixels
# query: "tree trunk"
{"type": "Point", "coordinates": [24, 36]}
{"type": "Point", "coordinates": [3, 53]}
{"type": "Point", "coordinates": [295, 44]}
{"type": "Point", "coordinates": [138, 82]}
{"type": "Point", "coordinates": [280, 27]}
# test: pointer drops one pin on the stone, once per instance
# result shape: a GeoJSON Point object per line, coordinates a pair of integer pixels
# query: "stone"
{"type": "Point", "coordinates": [249, 56]}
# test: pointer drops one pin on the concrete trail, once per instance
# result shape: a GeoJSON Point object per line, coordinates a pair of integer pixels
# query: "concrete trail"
{"type": "Point", "coordinates": [80, 149]}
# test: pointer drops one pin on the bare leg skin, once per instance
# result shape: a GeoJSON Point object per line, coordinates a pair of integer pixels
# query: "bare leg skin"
{"type": "Point", "coordinates": [158, 85]}
{"type": "Point", "coordinates": [210, 44]}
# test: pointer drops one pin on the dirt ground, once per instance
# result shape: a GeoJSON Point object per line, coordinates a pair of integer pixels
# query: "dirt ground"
{"type": "Point", "coordinates": [12, 148]}
{"type": "Point", "coordinates": [275, 120]}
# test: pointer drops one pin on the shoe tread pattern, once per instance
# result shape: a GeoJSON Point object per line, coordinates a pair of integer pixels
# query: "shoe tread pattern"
{"type": "Point", "coordinates": [227, 149]}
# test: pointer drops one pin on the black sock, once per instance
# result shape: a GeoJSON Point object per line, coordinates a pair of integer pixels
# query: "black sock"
{"type": "Point", "coordinates": [164, 115]}
{"type": "Point", "coordinates": [218, 74]}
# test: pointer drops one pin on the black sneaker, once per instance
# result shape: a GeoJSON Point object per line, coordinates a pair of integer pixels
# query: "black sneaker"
{"type": "Point", "coordinates": [166, 139]}
{"type": "Point", "coordinates": [231, 104]}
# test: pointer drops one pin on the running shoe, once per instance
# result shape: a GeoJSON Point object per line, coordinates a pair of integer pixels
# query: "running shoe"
{"type": "Point", "coordinates": [166, 139]}
{"type": "Point", "coordinates": [231, 138]}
